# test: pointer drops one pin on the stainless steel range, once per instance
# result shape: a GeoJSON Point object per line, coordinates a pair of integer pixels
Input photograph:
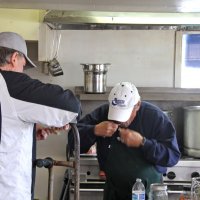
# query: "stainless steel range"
{"type": "Point", "coordinates": [185, 169]}
{"type": "Point", "coordinates": [91, 184]}
{"type": "Point", "coordinates": [180, 175]}
{"type": "Point", "coordinates": [176, 177]}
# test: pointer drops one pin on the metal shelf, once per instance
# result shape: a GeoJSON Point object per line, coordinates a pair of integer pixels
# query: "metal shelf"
{"type": "Point", "coordinates": [147, 93]}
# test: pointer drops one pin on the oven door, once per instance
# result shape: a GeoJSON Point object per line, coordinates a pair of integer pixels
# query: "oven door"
{"type": "Point", "coordinates": [176, 189]}
{"type": "Point", "coordinates": [94, 190]}
{"type": "Point", "coordinates": [89, 190]}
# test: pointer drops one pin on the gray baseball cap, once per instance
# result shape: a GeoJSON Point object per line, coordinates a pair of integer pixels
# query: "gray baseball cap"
{"type": "Point", "coordinates": [15, 41]}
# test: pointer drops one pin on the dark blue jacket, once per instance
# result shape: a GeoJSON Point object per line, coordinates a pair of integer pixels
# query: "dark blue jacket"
{"type": "Point", "coordinates": [160, 149]}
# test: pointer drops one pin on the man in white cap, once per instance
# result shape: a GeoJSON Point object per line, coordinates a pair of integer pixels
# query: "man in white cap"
{"type": "Point", "coordinates": [25, 102]}
{"type": "Point", "coordinates": [135, 139]}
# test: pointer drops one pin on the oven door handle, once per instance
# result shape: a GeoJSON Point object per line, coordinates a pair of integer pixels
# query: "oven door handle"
{"type": "Point", "coordinates": [174, 191]}
{"type": "Point", "coordinates": [88, 190]}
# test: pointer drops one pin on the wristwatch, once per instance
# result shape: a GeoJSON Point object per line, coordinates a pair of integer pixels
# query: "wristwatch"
{"type": "Point", "coordinates": [143, 141]}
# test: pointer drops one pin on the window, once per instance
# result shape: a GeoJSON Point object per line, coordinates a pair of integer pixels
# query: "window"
{"type": "Point", "coordinates": [190, 63]}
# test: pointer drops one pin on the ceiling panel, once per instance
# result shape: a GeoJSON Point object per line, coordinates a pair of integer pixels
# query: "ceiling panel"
{"type": "Point", "coordinates": [107, 5]}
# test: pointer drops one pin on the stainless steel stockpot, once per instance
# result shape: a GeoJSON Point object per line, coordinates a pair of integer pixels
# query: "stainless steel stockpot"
{"type": "Point", "coordinates": [95, 77]}
{"type": "Point", "coordinates": [192, 131]}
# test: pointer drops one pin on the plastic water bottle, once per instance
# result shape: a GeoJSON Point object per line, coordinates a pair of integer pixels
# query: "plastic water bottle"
{"type": "Point", "coordinates": [138, 190]}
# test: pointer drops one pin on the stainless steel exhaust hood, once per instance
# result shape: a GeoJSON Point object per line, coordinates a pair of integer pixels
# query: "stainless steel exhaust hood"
{"type": "Point", "coordinates": [63, 20]}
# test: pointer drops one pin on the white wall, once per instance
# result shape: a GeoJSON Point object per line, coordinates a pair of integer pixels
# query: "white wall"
{"type": "Point", "coordinates": [143, 57]}
{"type": "Point", "coordinates": [22, 21]}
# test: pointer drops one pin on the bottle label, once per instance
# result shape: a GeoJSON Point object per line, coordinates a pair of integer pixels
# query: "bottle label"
{"type": "Point", "coordinates": [138, 196]}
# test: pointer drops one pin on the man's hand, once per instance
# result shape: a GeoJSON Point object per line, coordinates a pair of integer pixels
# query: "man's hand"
{"type": "Point", "coordinates": [105, 129]}
{"type": "Point", "coordinates": [130, 138]}
{"type": "Point", "coordinates": [43, 132]}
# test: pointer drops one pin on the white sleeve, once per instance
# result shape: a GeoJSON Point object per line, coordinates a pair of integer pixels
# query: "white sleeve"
{"type": "Point", "coordinates": [37, 113]}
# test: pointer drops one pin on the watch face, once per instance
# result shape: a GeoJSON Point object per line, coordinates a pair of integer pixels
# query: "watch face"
{"type": "Point", "coordinates": [143, 141]}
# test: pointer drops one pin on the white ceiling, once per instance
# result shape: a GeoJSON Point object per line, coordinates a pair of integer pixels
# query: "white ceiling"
{"type": "Point", "coordinates": [107, 5]}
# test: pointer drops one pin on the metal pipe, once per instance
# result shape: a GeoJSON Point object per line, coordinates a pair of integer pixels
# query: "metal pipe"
{"type": "Point", "coordinates": [77, 161]}
{"type": "Point", "coordinates": [70, 164]}
{"type": "Point", "coordinates": [50, 183]}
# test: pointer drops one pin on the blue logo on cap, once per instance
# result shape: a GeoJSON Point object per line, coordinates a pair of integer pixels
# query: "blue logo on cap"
{"type": "Point", "coordinates": [118, 102]}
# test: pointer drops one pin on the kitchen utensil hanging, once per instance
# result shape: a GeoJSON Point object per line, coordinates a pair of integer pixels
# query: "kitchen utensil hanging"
{"type": "Point", "coordinates": [54, 66]}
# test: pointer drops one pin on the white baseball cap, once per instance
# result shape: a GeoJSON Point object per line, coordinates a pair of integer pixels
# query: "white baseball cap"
{"type": "Point", "coordinates": [15, 41]}
{"type": "Point", "coordinates": [122, 99]}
